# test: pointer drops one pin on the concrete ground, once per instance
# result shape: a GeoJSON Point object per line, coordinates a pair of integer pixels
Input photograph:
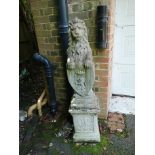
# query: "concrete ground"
{"type": "Point", "coordinates": [126, 106]}
{"type": "Point", "coordinates": [55, 138]}
{"type": "Point", "coordinates": [127, 143]}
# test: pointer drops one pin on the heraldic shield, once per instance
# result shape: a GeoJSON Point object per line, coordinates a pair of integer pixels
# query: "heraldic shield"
{"type": "Point", "coordinates": [81, 80]}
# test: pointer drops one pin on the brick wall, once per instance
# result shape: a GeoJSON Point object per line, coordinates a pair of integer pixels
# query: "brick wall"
{"type": "Point", "coordinates": [45, 14]}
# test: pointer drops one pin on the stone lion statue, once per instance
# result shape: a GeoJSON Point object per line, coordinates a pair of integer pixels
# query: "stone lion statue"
{"type": "Point", "coordinates": [80, 67]}
{"type": "Point", "coordinates": [79, 52]}
{"type": "Point", "coordinates": [80, 72]}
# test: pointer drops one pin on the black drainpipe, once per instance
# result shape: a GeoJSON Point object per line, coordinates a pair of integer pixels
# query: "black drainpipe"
{"type": "Point", "coordinates": [63, 23]}
{"type": "Point", "coordinates": [63, 30]}
{"type": "Point", "coordinates": [49, 70]}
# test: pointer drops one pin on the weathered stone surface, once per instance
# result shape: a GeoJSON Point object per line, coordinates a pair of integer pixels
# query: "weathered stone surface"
{"type": "Point", "coordinates": [84, 111]}
{"type": "Point", "coordinates": [80, 71]}
{"type": "Point", "coordinates": [81, 80]}
{"type": "Point", "coordinates": [80, 67]}
{"type": "Point", "coordinates": [85, 103]}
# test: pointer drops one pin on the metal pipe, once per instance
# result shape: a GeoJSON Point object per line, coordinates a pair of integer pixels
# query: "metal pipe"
{"type": "Point", "coordinates": [63, 23]}
{"type": "Point", "coordinates": [63, 30]}
{"type": "Point", "coordinates": [102, 19]}
{"type": "Point", "coordinates": [49, 70]}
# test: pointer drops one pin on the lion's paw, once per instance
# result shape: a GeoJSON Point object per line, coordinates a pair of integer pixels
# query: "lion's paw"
{"type": "Point", "coordinates": [71, 65]}
{"type": "Point", "coordinates": [88, 64]}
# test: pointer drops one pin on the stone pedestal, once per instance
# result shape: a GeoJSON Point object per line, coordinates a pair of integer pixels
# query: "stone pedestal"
{"type": "Point", "coordinates": [84, 111]}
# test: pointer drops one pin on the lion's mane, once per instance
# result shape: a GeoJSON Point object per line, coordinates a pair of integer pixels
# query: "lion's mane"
{"type": "Point", "coordinates": [79, 52]}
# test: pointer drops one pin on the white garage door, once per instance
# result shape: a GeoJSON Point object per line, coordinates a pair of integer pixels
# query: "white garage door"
{"type": "Point", "coordinates": [124, 49]}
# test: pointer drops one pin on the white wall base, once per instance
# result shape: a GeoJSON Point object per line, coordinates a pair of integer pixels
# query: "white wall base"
{"type": "Point", "coordinates": [125, 105]}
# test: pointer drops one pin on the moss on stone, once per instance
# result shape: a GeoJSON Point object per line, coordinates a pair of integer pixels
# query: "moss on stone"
{"type": "Point", "coordinates": [93, 148]}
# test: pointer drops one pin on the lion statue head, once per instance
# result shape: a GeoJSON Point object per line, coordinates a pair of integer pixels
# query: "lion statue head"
{"type": "Point", "coordinates": [77, 30]}
{"type": "Point", "coordinates": [79, 51]}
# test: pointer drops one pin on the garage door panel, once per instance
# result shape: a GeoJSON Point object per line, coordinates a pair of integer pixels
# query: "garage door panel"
{"type": "Point", "coordinates": [124, 80]}
{"type": "Point", "coordinates": [125, 13]}
{"type": "Point", "coordinates": [124, 49]}
{"type": "Point", "coordinates": [130, 12]}
{"type": "Point", "coordinates": [128, 50]}
{"type": "Point", "coordinates": [125, 46]}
